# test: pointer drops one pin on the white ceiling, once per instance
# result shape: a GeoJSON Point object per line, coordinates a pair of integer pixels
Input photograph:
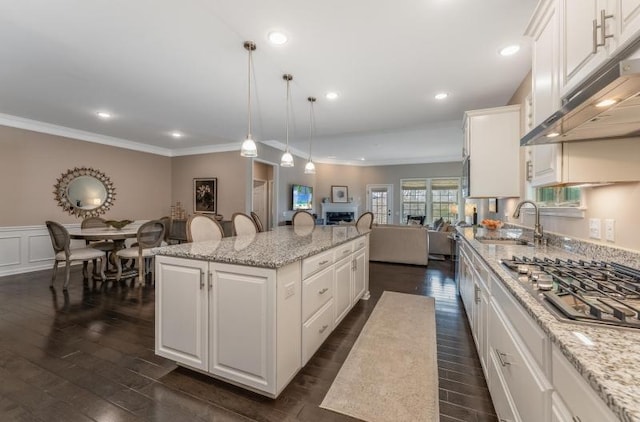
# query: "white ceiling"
{"type": "Point", "coordinates": [163, 65]}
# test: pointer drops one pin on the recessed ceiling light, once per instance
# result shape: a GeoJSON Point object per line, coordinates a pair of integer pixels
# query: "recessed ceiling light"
{"type": "Point", "coordinates": [277, 37]}
{"type": "Point", "coordinates": [362, 159]}
{"type": "Point", "coordinates": [510, 50]}
{"type": "Point", "coordinates": [176, 134]}
{"type": "Point", "coordinates": [104, 115]}
{"type": "Point", "coordinates": [332, 95]}
{"type": "Point", "coordinates": [606, 103]}
{"type": "Point", "coordinates": [441, 96]}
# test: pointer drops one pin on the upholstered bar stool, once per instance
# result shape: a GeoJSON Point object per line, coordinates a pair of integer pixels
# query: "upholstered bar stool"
{"type": "Point", "coordinates": [201, 228]}
{"type": "Point", "coordinates": [243, 224]}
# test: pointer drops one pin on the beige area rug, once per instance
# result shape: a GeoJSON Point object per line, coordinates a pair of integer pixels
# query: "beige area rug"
{"type": "Point", "coordinates": [391, 373]}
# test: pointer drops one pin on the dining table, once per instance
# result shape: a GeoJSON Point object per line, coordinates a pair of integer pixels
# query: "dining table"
{"type": "Point", "coordinates": [118, 236]}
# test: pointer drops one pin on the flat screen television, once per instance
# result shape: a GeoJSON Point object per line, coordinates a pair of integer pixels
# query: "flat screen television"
{"type": "Point", "coordinates": [302, 197]}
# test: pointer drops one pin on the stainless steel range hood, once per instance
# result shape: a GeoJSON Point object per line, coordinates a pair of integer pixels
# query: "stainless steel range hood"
{"type": "Point", "coordinates": [582, 116]}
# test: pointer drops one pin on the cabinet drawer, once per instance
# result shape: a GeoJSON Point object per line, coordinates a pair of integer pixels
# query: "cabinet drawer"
{"type": "Point", "coordinates": [579, 398]}
{"type": "Point", "coordinates": [502, 401]}
{"type": "Point", "coordinates": [523, 379]}
{"type": "Point", "coordinates": [343, 251]}
{"type": "Point", "coordinates": [360, 243]}
{"type": "Point", "coordinates": [315, 263]}
{"type": "Point", "coordinates": [316, 291]}
{"type": "Point", "coordinates": [316, 330]}
{"type": "Point", "coordinates": [530, 333]}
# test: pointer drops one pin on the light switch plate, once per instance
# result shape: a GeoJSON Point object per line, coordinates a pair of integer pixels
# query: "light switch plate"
{"type": "Point", "coordinates": [610, 229]}
{"type": "Point", "coordinates": [595, 227]}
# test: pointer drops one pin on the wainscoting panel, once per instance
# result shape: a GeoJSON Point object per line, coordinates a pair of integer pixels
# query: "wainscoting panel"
{"type": "Point", "coordinates": [26, 248]}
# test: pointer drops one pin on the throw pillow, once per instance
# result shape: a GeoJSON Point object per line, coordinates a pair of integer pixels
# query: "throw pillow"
{"type": "Point", "coordinates": [438, 224]}
{"type": "Point", "coordinates": [445, 227]}
{"type": "Point", "coordinates": [414, 222]}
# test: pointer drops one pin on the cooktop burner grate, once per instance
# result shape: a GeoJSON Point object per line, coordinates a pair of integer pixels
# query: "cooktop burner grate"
{"type": "Point", "coordinates": [594, 291]}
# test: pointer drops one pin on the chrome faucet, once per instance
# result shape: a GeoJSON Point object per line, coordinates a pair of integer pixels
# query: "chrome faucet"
{"type": "Point", "coordinates": [538, 234]}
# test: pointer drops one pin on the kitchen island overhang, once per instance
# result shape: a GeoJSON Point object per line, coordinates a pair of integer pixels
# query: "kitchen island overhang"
{"type": "Point", "coordinates": [252, 310]}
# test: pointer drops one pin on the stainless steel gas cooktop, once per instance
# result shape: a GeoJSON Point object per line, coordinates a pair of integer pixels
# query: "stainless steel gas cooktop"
{"type": "Point", "coordinates": [592, 291]}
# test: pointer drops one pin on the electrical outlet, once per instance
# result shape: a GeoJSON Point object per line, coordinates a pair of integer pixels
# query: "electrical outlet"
{"type": "Point", "coordinates": [595, 227]}
{"type": "Point", "coordinates": [610, 229]}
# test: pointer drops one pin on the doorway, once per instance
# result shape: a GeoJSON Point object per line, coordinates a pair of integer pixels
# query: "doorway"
{"type": "Point", "coordinates": [263, 195]}
{"type": "Point", "coordinates": [380, 203]}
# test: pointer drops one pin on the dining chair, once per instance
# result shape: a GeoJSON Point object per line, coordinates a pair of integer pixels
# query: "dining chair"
{"type": "Point", "coordinates": [166, 222]}
{"type": "Point", "coordinates": [201, 228]}
{"type": "Point", "coordinates": [365, 221]}
{"type": "Point", "coordinates": [258, 222]}
{"type": "Point", "coordinates": [149, 236]}
{"type": "Point", "coordinates": [104, 245]}
{"type": "Point", "coordinates": [61, 242]}
{"type": "Point", "coordinates": [303, 218]}
{"type": "Point", "coordinates": [243, 224]}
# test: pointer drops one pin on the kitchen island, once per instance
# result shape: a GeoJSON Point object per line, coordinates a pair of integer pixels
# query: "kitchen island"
{"type": "Point", "coordinates": [252, 310]}
{"type": "Point", "coordinates": [537, 366]}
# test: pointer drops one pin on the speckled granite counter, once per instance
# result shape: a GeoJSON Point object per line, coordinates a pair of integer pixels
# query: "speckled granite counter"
{"type": "Point", "coordinates": [272, 249]}
{"type": "Point", "coordinates": [611, 364]}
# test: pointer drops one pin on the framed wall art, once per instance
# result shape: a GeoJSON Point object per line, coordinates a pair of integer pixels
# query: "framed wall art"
{"type": "Point", "coordinates": [205, 195]}
{"type": "Point", "coordinates": [339, 194]}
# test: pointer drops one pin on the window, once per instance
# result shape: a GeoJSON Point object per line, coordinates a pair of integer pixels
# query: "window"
{"type": "Point", "coordinates": [414, 198]}
{"type": "Point", "coordinates": [558, 197]}
{"type": "Point", "coordinates": [432, 198]}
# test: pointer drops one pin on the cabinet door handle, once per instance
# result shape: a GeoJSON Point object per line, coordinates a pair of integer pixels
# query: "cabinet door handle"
{"type": "Point", "coordinates": [594, 33]}
{"type": "Point", "coordinates": [323, 291]}
{"type": "Point", "coordinates": [503, 358]}
{"type": "Point", "coordinates": [476, 294]}
{"type": "Point", "coordinates": [323, 329]}
{"type": "Point", "coordinates": [576, 419]}
{"type": "Point", "coordinates": [210, 280]}
{"type": "Point", "coordinates": [201, 279]}
{"type": "Point", "coordinates": [345, 252]}
{"type": "Point", "coordinates": [603, 29]}
{"type": "Point", "coordinates": [322, 263]}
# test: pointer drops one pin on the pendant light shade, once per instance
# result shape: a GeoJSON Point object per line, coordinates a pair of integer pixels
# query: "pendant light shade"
{"type": "Point", "coordinates": [310, 168]}
{"type": "Point", "coordinates": [249, 148]}
{"type": "Point", "coordinates": [287, 158]}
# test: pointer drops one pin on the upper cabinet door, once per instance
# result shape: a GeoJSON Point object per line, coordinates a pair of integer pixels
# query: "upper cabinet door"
{"type": "Point", "coordinates": [545, 89]}
{"type": "Point", "coordinates": [628, 19]}
{"type": "Point", "coordinates": [582, 36]}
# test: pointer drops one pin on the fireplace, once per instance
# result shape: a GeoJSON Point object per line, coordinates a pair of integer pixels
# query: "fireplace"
{"type": "Point", "coordinates": [335, 213]}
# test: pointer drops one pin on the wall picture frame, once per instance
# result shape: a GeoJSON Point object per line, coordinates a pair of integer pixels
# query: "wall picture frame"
{"type": "Point", "coordinates": [339, 194]}
{"type": "Point", "coordinates": [205, 195]}
{"type": "Point", "coordinates": [493, 204]}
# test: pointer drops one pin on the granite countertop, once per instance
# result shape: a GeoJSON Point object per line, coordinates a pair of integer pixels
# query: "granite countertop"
{"type": "Point", "coordinates": [271, 249]}
{"type": "Point", "coordinates": [610, 365]}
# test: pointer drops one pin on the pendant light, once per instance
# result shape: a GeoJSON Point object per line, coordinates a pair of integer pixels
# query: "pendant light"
{"type": "Point", "coordinates": [310, 168]}
{"type": "Point", "coordinates": [287, 158]}
{"type": "Point", "coordinates": [249, 148]}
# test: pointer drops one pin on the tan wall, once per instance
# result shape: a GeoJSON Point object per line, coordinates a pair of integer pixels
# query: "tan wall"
{"type": "Point", "coordinates": [31, 163]}
{"type": "Point", "coordinates": [357, 179]}
{"type": "Point", "coordinates": [228, 167]}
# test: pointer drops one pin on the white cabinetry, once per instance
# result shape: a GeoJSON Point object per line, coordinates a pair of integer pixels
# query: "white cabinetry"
{"type": "Point", "coordinates": [255, 327]}
{"type": "Point", "coordinates": [492, 139]}
{"type": "Point", "coordinates": [528, 377]}
{"type": "Point", "coordinates": [227, 320]}
{"type": "Point", "coordinates": [592, 32]}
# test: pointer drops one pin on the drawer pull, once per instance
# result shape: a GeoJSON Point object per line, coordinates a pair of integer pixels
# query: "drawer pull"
{"type": "Point", "coordinates": [503, 358]}
{"type": "Point", "coordinates": [323, 329]}
{"type": "Point", "coordinates": [323, 262]}
{"type": "Point", "coordinates": [345, 252]}
{"type": "Point", "coordinates": [576, 419]}
{"type": "Point", "coordinates": [323, 291]}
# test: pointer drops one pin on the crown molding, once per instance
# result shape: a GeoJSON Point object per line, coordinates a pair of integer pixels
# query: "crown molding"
{"type": "Point", "coordinates": [67, 132]}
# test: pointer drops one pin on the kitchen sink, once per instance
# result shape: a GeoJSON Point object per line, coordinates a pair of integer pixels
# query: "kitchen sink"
{"type": "Point", "coordinates": [494, 241]}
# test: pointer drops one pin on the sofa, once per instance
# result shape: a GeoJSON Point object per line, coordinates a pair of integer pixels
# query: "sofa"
{"type": "Point", "coordinates": [402, 244]}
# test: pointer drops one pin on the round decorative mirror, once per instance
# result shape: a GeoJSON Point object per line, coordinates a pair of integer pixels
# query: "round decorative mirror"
{"type": "Point", "coordinates": [85, 192]}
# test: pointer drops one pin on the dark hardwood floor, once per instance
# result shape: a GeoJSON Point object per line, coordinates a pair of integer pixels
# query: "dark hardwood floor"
{"type": "Point", "coordinates": [88, 356]}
